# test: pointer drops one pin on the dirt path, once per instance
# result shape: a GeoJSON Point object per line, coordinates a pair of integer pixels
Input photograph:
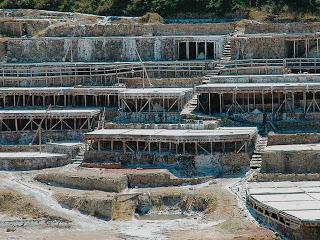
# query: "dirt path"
{"type": "Point", "coordinates": [227, 220]}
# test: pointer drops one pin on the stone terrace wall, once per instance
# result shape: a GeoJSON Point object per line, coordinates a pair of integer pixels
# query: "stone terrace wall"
{"type": "Point", "coordinates": [258, 47]}
{"type": "Point", "coordinates": [19, 28]}
{"type": "Point", "coordinates": [290, 161]}
{"type": "Point", "coordinates": [282, 27]}
{"type": "Point", "coordinates": [19, 148]}
{"type": "Point", "coordinates": [274, 177]}
{"type": "Point", "coordinates": [107, 30]}
{"type": "Point", "coordinates": [294, 78]}
{"type": "Point", "coordinates": [97, 49]}
{"type": "Point", "coordinates": [25, 137]}
{"type": "Point", "coordinates": [30, 163]}
{"type": "Point", "coordinates": [161, 82]}
{"type": "Point", "coordinates": [215, 164]}
{"type": "Point", "coordinates": [288, 139]}
{"type": "Point", "coordinates": [44, 14]}
{"type": "Point", "coordinates": [3, 49]}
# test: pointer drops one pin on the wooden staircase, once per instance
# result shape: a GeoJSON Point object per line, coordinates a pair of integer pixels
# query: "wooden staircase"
{"type": "Point", "coordinates": [256, 159]}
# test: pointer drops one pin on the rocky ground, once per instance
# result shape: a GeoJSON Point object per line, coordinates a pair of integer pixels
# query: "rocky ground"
{"type": "Point", "coordinates": [208, 210]}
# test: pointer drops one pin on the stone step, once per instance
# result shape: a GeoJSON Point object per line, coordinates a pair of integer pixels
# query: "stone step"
{"type": "Point", "coordinates": [255, 166]}
{"type": "Point", "coordinates": [255, 163]}
{"type": "Point", "coordinates": [77, 162]}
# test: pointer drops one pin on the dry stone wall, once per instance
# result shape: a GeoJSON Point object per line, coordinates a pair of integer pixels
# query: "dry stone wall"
{"type": "Point", "coordinates": [107, 30]}
{"type": "Point", "coordinates": [290, 160]}
{"type": "Point", "coordinates": [309, 27]}
{"type": "Point", "coordinates": [188, 165]}
{"type": "Point", "coordinates": [98, 49]}
{"type": "Point", "coordinates": [30, 163]}
{"type": "Point", "coordinates": [288, 139]}
{"type": "Point", "coordinates": [258, 47]}
{"type": "Point", "coordinates": [25, 27]}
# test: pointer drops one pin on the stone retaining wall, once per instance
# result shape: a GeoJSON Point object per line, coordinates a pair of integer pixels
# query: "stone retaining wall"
{"type": "Point", "coordinates": [107, 30]}
{"type": "Point", "coordinates": [22, 27]}
{"type": "Point", "coordinates": [295, 27]}
{"type": "Point", "coordinates": [26, 137]}
{"type": "Point", "coordinates": [166, 117]}
{"type": "Point", "coordinates": [100, 49]}
{"type": "Point", "coordinates": [188, 165]}
{"type": "Point", "coordinates": [19, 148]}
{"type": "Point", "coordinates": [289, 159]}
{"type": "Point", "coordinates": [30, 163]}
{"type": "Point", "coordinates": [288, 139]}
{"type": "Point", "coordinates": [163, 82]}
{"type": "Point", "coordinates": [248, 47]}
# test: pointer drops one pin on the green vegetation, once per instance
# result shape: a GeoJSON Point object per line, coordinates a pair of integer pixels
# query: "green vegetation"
{"type": "Point", "coordinates": [255, 9]}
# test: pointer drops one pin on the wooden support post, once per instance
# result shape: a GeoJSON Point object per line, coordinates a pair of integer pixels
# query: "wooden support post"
{"type": "Point", "coordinates": [314, 100]}
{"type": "Point", "coordinates": [124, 146]}
{"type": "Point", "coordinates": [209, 105]}
{"type": "Point", "coordinates": [220, 102]}
{"type": "Point", "coordinates": [136, 104]}
{"type": "Point", "coordinates": [304, 101]}
{"type": "Point", "coordinates": [272, 102]}
{"type": "Point", "coordinates": [197, 50]}
{"type": "Point", "coordinates": [248, 102]}
{"type": "Point", "coordinates": [16, 124]}
{"type": "Point", "coordinates": [293, 108]}
{"type": "Point", "coordinates": [187, 51]}
{"type": "Point", "coordinates": [262, 100]}
{"type": "Point", "coordinates": [205, 50]}
{"type": "Point", "coordinates": [285, 101]}
{"type": "Point", "coordinates": [196, 148]}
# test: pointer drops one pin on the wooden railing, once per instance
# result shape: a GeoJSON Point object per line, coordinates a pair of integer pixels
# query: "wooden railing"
{"type": "Point", "coordinates": [47, 70]}
{"type": "Point", "coordinates": [291, 63]}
